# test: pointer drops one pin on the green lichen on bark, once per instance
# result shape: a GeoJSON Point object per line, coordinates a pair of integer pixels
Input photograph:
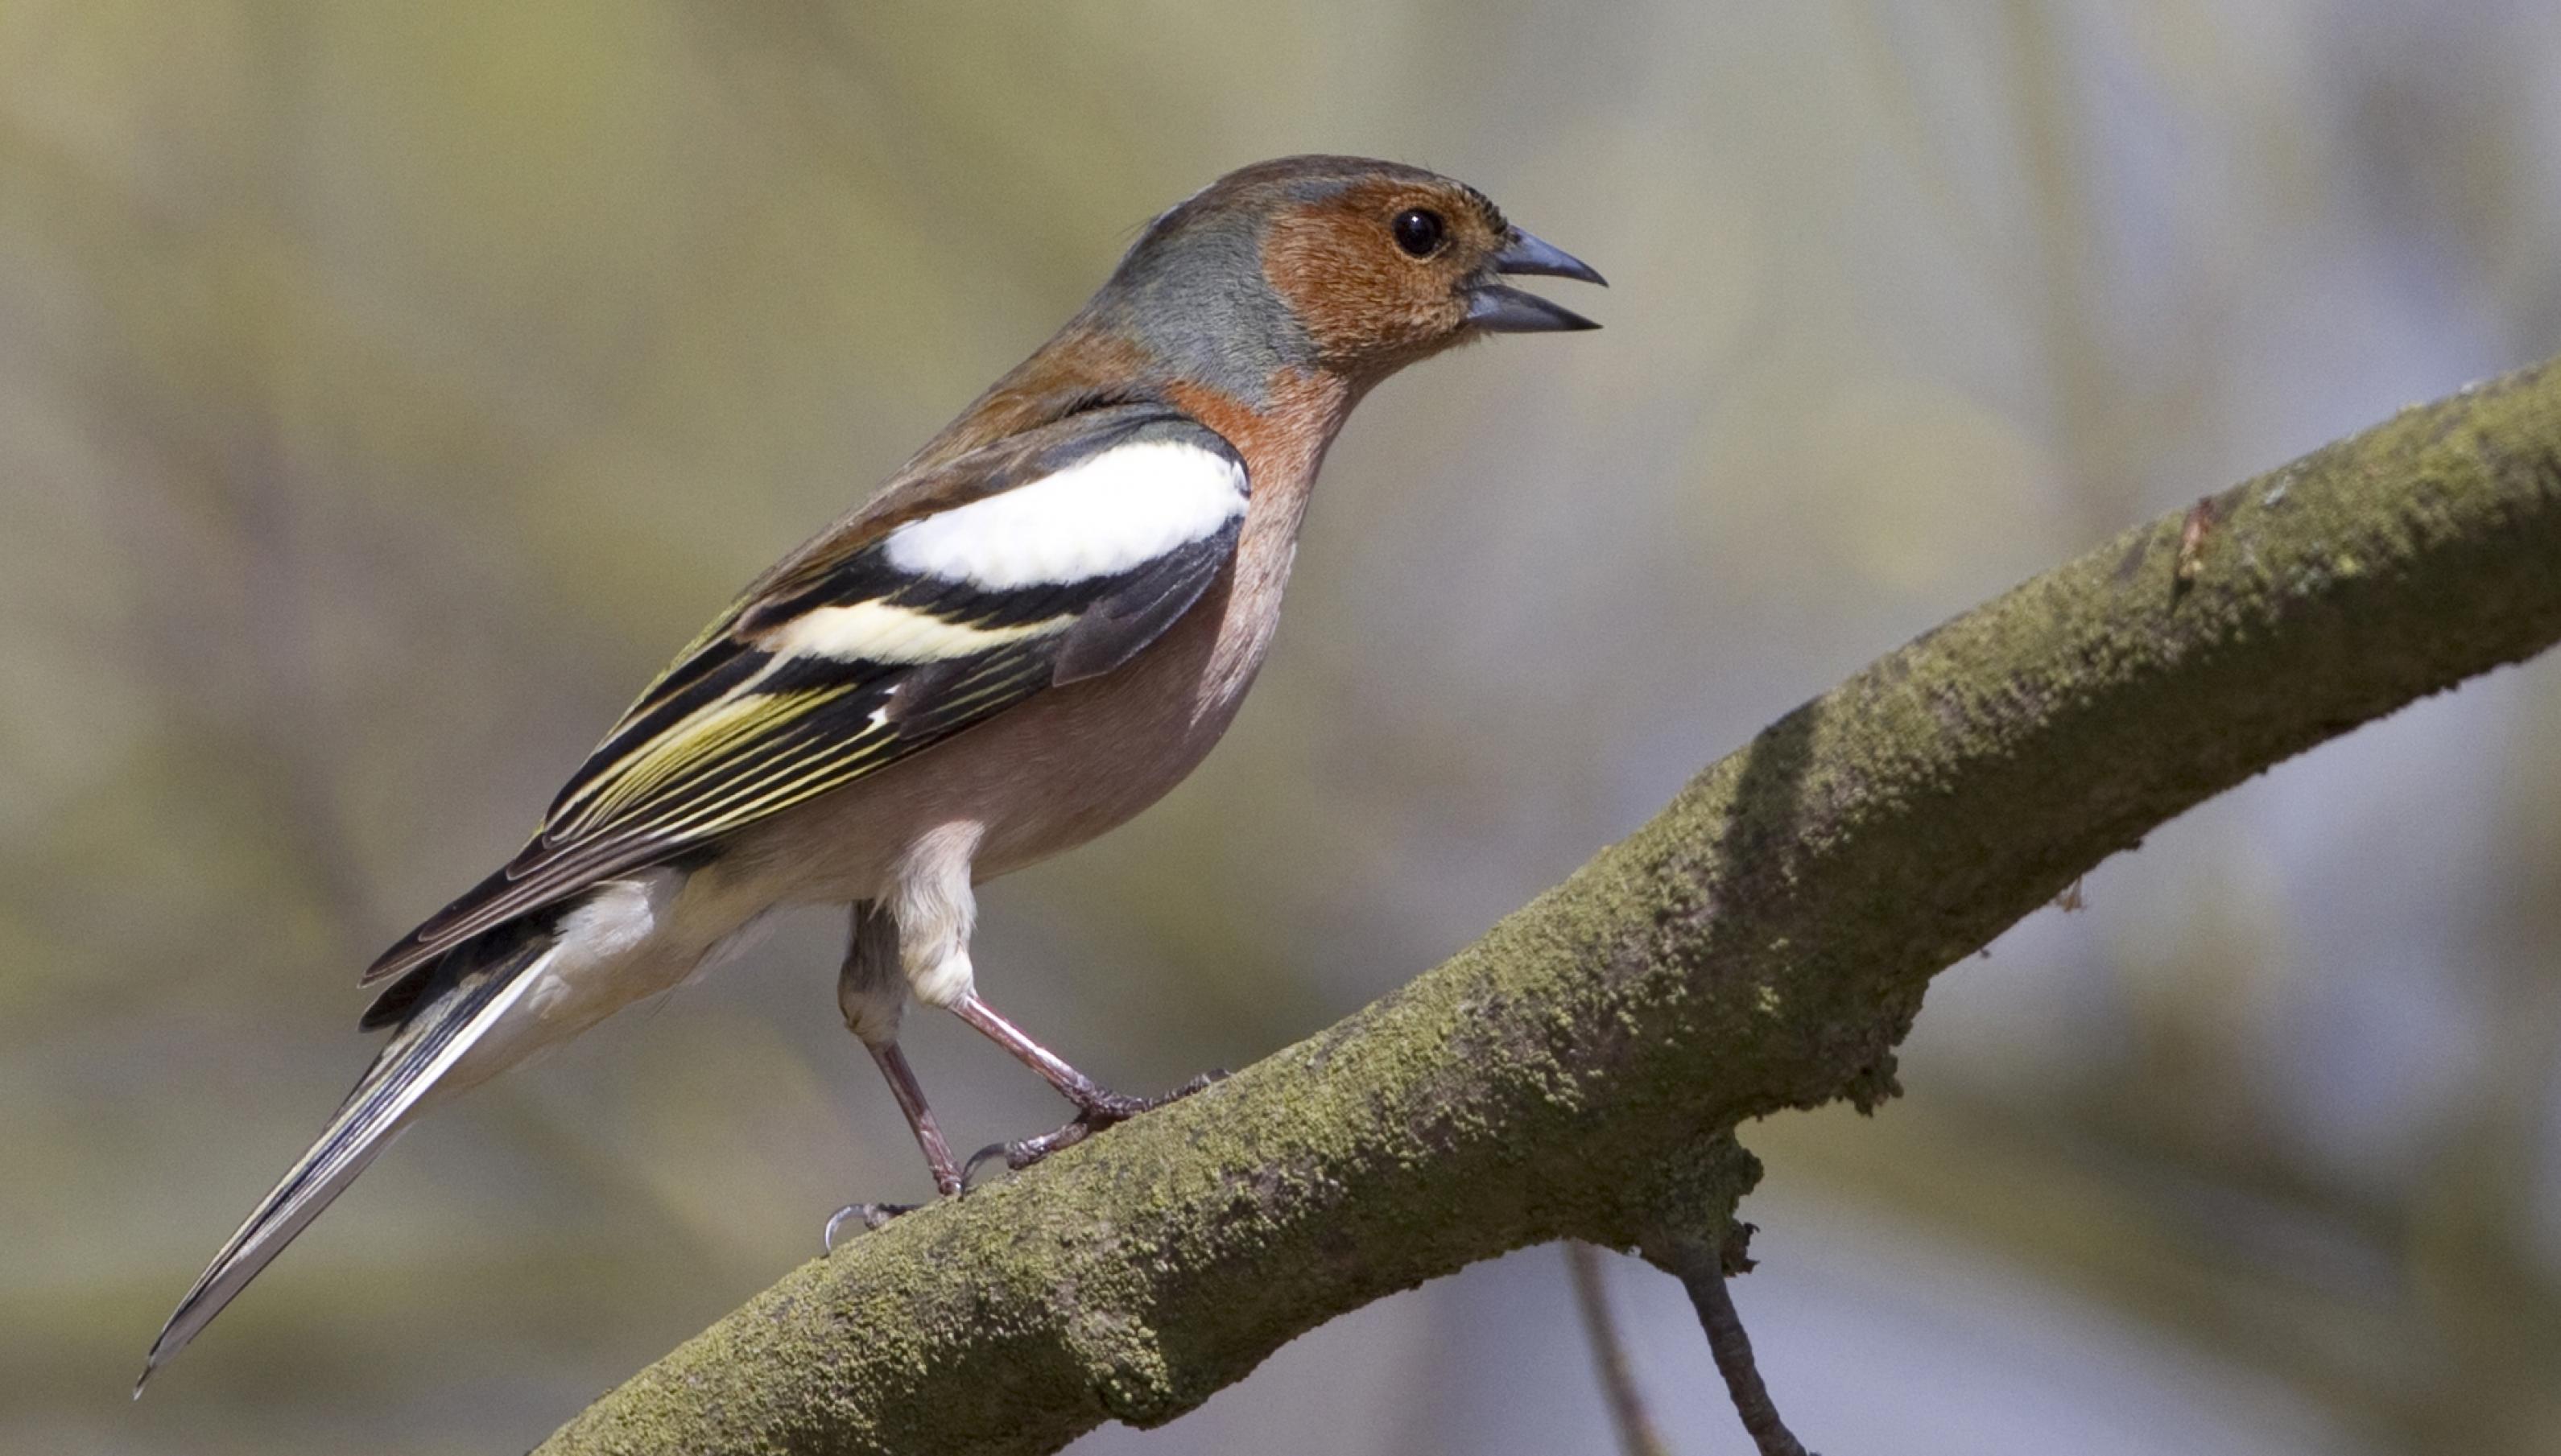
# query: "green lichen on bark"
{"type": "Point", "coordinates": [1761, 944]}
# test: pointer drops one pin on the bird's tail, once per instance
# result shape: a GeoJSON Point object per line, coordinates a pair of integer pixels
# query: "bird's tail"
{"type": "Point", "coordinates": [477, 990]}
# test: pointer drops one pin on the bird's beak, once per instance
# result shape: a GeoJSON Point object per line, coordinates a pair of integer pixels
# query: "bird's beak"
{"type": "Point", "coordinates": [1499, 309]}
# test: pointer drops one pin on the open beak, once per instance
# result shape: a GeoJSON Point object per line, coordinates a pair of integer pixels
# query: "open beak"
{"type": "Point", "coordinates": [1500, 309]}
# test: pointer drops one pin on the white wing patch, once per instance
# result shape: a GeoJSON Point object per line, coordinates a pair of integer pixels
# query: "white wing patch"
{"type": "Point", "coordinates": [876, 632]}
{"type": "Point", "coordinates": [1096, 518]}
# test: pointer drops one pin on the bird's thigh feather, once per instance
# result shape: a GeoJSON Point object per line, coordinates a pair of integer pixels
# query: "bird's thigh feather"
{"type": "Point", "coordinates": [936, 910]}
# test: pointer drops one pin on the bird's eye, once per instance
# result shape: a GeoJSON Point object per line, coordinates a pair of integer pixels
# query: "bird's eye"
{"type": "Point", "coordinates": [1420, 232]}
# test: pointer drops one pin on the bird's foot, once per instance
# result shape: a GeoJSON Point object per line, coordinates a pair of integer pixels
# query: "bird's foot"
{"type": "Point", "coordinates": [871, 1216]}
{"type": "Point", "coordinates": [1099, 1110]}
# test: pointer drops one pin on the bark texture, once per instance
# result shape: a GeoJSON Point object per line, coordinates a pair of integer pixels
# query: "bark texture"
{"type": "Point", "coordinates": [1761, 944]}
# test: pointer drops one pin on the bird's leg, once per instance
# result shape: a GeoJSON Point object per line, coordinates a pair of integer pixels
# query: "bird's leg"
{"type": "Point", "coordinates": [919, 1118]}
{"type": "Point", "coordinates": [1088, 1094]}
{"type": "Point", "coordinates": [936, 910]}
{"type": "Point", "coordinates": [872, 991]}
{"type": "Point", "coordinates": [1097, 1106]}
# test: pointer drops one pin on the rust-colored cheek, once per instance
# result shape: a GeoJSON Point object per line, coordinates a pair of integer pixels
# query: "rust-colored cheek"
{"type": "Point", "coordinates": [1357, 299]}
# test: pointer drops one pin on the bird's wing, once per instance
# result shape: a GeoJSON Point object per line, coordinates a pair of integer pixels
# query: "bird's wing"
{"type": "Point", "coordinates": [1049, 558]}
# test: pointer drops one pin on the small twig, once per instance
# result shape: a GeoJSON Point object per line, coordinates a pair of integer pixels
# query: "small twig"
{"type": "Point", "coordinates": [2192, 532]}
{"type": "Point", "coordinates": [1636, 1433]}
{"type": "Point", "coordinates": [1701, 1269]}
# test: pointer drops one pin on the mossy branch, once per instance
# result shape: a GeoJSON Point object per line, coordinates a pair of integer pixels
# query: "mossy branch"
{"type": "Point", "coordinates": [1761, 944]}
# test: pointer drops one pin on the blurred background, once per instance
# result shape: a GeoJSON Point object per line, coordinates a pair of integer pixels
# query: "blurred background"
{"type": "Point", "coordinates": [385, 391]}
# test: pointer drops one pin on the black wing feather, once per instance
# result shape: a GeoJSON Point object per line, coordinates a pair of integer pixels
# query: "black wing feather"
{"type": "Point", "coordinates": [1141, 607]}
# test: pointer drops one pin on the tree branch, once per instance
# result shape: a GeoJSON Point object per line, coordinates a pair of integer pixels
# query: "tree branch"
{"type": "Point", "coordinates": [1761, 944]}
{"type": "Point", "coordinates": [1702, 1265]}
{"type": "Point", "coordinates": [1627, 1405]}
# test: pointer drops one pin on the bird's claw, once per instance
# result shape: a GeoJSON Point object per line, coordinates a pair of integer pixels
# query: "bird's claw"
{"type": "Point", "coordinates": [872, 1216]}
{"type": "Point", "coordinates": [1102, 1110]}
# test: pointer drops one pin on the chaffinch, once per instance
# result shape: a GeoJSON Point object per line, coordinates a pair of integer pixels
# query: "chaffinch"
{"type": "Point", "coordinates": [1032, 632]}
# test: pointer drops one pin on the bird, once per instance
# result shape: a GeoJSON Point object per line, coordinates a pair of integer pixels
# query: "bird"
{"type": "Point", "coordinates": [1037, 627]}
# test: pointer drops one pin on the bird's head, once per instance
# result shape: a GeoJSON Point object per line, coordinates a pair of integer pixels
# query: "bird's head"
{"type": "Point", "coordinates": [1353, 265]}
